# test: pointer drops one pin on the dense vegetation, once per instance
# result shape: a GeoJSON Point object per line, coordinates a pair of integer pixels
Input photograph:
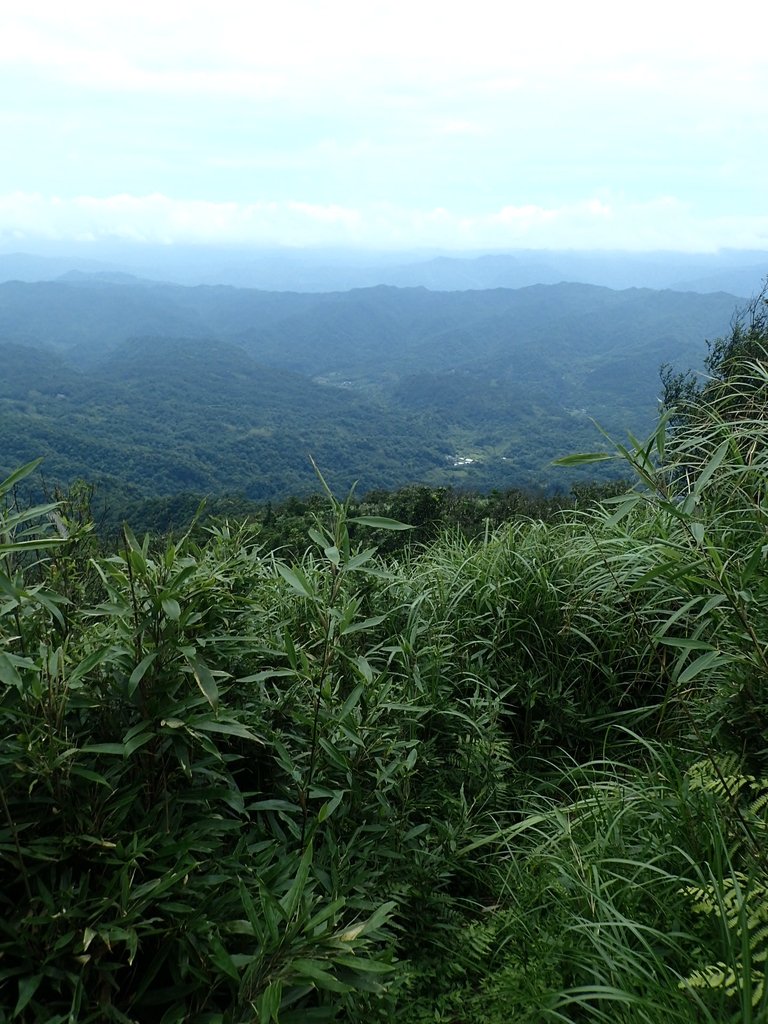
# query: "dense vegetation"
{"type": "Point", "coordinates": [521, 778]}
{"type": "Point", "coordinates": [150, 389]}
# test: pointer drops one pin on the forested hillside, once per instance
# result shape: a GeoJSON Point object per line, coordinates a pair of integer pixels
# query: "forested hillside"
{"type": "Point", "coordinates": [521, 778]}
{"type": "Point", "coordinates": [151, 389]}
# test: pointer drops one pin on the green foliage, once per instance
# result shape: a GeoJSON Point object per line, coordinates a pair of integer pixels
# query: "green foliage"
{"type": "Point", "coordinates": [728, 358]}
{"type": "Point", "coordinates": [736, 895]}
{"type": "Point", "coordinates": [132, 857]}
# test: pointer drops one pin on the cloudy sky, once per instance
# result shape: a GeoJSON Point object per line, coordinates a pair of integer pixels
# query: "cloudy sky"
{"type": "Point", "coordinates": [477, 124]}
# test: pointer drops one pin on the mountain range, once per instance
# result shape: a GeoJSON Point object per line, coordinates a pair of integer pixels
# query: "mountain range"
{"type": "Point", "coordinates": [155, 388]}
{"type": "Point", "coordinates": [739, 272]}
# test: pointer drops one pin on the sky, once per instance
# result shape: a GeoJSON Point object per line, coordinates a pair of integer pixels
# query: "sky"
{"type": "Point", "coordinates": [472, 125]}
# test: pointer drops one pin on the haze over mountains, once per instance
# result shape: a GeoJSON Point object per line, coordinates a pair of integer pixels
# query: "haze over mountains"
{"type": "Point", "coordinates": [738, 272]}
{"type": "Point", "coordinates": [157, 387]}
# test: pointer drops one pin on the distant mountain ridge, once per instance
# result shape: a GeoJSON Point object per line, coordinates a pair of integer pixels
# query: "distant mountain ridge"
{"type": "Point", "coordinates": [740, 272]}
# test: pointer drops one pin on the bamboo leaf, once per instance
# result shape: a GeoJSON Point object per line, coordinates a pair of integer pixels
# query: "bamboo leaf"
{"type": "Point", "coordinates": [322, 979]}
{"type": "Point", "coordinates": [267, 673]}
{"type": "Point", "coordinates": [332, 554]}
{"type": "Point", "coordinates": [379, 917]}
{"type": "Point", "coordinates": [330, 806]}
{"type": "Point", "coordinates": [40, 543]}
{"type": "Point", "coordinates": [352, 701]}
{"type": "Point", "coordinates": [221, 958]}
{"type": "Point", "coordinates": [136, 741]}
{"type": "Point", "coordinates": [90, 662]}
{"type": "Point", "coordinates": [381, 523]}
{"type": "Point", "coordinates": [18, 474]}
{"type": "Point", "coordinates": [139, 672]}
{"type": "Point", "coordinates": [8, 673]}
{"type": "Point", "coordinates": [365, 964]}
{"type": "Point", "coordinates": [357, 627]}
{"type": "Point", "coordinates": [269, 1002]}
{"type": "Point", "coordinates": [706, 474]}
{"type": "Point", "coordinates": [290, 902]}
{"type": "Point", "coordinates": [583, 459]}
{"type": "Point", "coordinates": [296, 579]}
{"type": "Point", "coordinates": [27, 988]}
{"type": "Point", "coordinates": [323, 539]}
{"type": "Point", "coordinates": [226, 729]}
{"type": "Point", "coordinates": [358, 560]}
{"type": "Point", "coordinates": [205, 681]}
{"type": "Point", "coordinates": [171, 608]}
{"type": "Point", "coordinates": [701, 664]}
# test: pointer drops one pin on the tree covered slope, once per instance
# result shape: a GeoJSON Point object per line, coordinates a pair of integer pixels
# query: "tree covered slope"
{"type": "Point", "coordinates": [165, 388]}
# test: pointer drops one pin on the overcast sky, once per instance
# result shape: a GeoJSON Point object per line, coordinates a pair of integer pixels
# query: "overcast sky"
{"type": "Point", "coordinates": [405, 123]}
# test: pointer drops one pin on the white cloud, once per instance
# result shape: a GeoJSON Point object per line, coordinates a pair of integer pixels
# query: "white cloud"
{"type": "Point", "coordinates": [594, 222]}
{"type": "Point", "coordinates": [160, 219]}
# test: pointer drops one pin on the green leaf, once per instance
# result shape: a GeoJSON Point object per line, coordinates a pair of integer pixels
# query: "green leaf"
{"type": "Point", "coordinates": [90, 662]}
{"type": "Point", "coordinates": [583, 459]}
{"type": "Point", "coordinates": [532, 821]}
{"type": "Point", "coordinates": [18, 474]}
{"type": "Point", "coordinates": [273, 805]}
{"type": "Point", "coordinates": [226, 729]}
{"type": "Point", "coordinates": [249, 907]}
{"type": "Point", "coordinates": [352, 701]}
{"type": "Point", "coordinates": [290, 901]}
{"type": "Point", "coordinates": [323, 539]}
{"type": "Point", "coordinates": [269, 1002]}
{"type": "Point", "coordinates": [328, 808]}
{"type": "Point", "coordinates": [86, 773]}
{"type": "Point", "coordinates": [357, 627]}
{"type": "Point", "coordinates": [754, 560]}
{"type": "Point", "coordinates": [267, 673]}
{"type": "Point", "coordinates": [378, 918]}
{"type": "Point", "coordinates": [135, 741]}
{"type": "Point", "coordinates": [364, 668]}
{"type": "Point", "coordinates": [701, 664]}
{"type": "Point", "coordinates": [205, 681]}
{"type": "Point", "coordinates": [8, 673]}
{"type": "Point", "coordinates": [296, 579]}
{"type": "Point", "coordinates": [321, 978]}
{"type": "Point", "coordinates": [104, 748]}
{"type": "Point", "coordinates": [325, 913]}
{"type": "Point", "coordinates": [626, 506]}
{"type": "Point", "coordinates": [27, 988]}
{"type": "Point", "coordinates": [358, 560]}
{"type": "Point", "coordinates": [705, 475]}
{"type": "Point", "coordinates": [138, 673]}
{"type": "Point", "coordinates": [221, 958]}
{"type": "Point", "coordinates": [381, 523]}
{"type": "Point", "coordinates": [131, 541]}
{"type": "Point", "coordinates": [684, 642]}
{"type": "Point", "coordinates": [332, 554]}
{"type": "Point", "coordinates": [31, 545]}
{"type": "Point", "coordinates": [171, 608]}
{"type": "Point", "coordinates": [358, 963]}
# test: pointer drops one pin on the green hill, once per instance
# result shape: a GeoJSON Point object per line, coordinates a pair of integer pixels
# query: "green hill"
{"type": "Point", "coordinates": [165, 388]}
